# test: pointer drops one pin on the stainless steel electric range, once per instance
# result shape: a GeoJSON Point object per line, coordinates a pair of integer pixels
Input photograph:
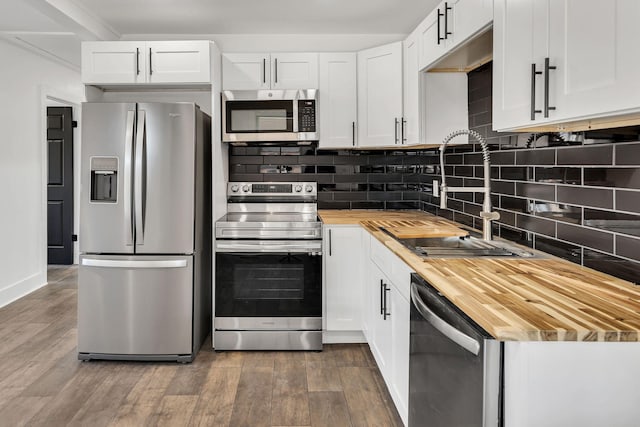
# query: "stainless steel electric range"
{"type": "Point", "coordinates": [268, 288]}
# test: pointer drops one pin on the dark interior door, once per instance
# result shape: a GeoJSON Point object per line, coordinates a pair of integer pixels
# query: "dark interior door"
{"type": "Point", "coordinates": [60, 186]}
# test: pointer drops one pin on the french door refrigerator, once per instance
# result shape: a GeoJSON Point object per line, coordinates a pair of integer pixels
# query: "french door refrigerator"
{"type": "Point", "coordinates": [144, 279]}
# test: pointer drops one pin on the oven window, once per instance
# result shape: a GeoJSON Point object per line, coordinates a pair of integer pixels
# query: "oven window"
{"type": "Point", "coordinates": [263, 281]}
{"type": "Point", "coordinates": [259, 116]}
{"type": "Point", "coordinates": [273, 285]}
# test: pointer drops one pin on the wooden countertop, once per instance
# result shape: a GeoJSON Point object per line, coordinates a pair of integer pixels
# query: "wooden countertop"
{"type": "Point", "coordinates": [517, 299]}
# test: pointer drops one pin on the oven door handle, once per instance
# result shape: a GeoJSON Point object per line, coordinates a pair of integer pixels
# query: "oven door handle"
{"type": "Point", "coordinates": [307, 247]}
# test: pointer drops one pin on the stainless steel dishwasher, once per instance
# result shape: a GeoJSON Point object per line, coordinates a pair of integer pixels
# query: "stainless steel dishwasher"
{"type": "Point", "coordinates": [454, 365]}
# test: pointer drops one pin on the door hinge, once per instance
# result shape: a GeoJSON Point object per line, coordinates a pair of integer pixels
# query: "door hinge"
{"type": "Point", "coordinates": [74, 123]}
{"type": "Point", "coordinates": [74, 237]}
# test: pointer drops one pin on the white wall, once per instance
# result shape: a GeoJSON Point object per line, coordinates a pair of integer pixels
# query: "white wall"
{"type": "Point", "coordinates": [25, 78]}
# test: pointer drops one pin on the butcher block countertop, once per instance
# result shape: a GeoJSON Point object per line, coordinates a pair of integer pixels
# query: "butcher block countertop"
{"type": "Point", "coordinates": [515, 299]}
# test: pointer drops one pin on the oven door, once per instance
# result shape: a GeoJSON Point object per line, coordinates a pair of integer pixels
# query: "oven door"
{"type": "Point", "coordinates": [268, 279]}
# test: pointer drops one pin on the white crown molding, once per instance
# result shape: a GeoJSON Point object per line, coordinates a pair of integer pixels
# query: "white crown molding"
{"type": "Point", "coordinates": [17, 38]}
{"type": "Point", "coordinates": [76, 18]}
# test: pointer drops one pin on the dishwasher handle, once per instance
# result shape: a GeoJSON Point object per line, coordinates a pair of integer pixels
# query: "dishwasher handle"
{"type": "Point", "coordinates": [463, 340]}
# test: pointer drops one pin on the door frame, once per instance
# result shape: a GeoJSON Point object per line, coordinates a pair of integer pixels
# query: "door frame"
{"type": "Point", "coordinates": [54, 97]}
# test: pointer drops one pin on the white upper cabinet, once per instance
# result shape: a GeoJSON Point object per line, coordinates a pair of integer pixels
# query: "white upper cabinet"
{"type": "Point", "coordinates": [518, 46]}
{"type": "Point", "coordinates": [113, 62]}
{"type": "Point", "coordinates": [338, 100]}
{"type": "Point", "coordinates": [255, 71]}
{"type": "Point", "coordinates": [465, 18]}
{"type": "Point", "coordinates": [294, 71]}
{"type": "Point", "coordinates": [450, 24]}
{"type": "Point", "coordinates": [164, 62]}
{"type": "Point", "coordinates": [178, 61]}
{"type": "Point", "coordinates": [380, 95]}
{"type": "Point", "coordinates": [562, 61]}
{"type": "Point", "coordinates": [410, 126]}
{"type": "Point", "coordinates": [246, 71]}
{"type": "Point", "coordinates": [594, 49]}
{"type": "Point", "coordinates": [431, 38]}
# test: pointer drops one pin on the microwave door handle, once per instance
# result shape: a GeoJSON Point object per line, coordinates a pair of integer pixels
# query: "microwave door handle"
{"type": "Point", "coordinates": [138, 178]}
{"type": "Point", "coordinates": [458, 337]}
{"type": "Point", "coordinates": [128, 160]}
{"type": "Point", "coordinates": [264, 70]}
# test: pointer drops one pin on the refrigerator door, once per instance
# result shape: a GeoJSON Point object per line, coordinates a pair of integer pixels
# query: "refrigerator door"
{"type": "Point", "coordinates": [106, 190]}
{"type": "Point", "coordinates": [135, 306]}
{"type": "Point", "coordinates": [165, 178]}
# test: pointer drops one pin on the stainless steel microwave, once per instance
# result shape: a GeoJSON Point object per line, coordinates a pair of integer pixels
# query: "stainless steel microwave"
{"type": "Point", "coordinates": [269, 115]}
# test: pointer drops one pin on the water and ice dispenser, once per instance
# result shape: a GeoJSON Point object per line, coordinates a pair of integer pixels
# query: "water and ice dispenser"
{"type": "Point", "coordinates": [104, 179]}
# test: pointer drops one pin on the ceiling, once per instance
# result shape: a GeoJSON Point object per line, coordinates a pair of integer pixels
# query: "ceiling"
{"type": "Point", "coordinates": [56, 27]}
{"type": "Point", "coordinates": [261, 16]}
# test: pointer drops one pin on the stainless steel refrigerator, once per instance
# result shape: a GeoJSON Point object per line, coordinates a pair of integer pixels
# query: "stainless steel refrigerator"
{"type": "Point", "coordinates": [144, 278]}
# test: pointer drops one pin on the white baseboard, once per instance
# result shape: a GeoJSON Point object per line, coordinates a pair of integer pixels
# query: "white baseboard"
{"type": "Point", "coordinates": [343, 337]}
{"type": "Point", "coordinates": [21, 288]}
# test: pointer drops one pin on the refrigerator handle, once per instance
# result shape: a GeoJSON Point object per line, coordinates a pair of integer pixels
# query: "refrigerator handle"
{"type": "Point", "coordinates": [128, 159]}
{"type": "Point", "coordinates": [139, 176]}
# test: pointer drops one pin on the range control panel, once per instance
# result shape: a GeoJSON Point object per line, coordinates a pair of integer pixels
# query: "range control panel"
{"type": "Point", "coordinates": [306, 115]}
{"type": "Point", "coordinates": [292, 189]}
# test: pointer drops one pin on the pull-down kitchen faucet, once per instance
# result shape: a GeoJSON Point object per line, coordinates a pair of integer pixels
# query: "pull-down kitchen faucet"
{"type": "Point", "coordinates": [486, 214]}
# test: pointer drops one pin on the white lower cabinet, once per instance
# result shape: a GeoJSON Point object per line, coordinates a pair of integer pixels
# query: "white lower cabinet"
{"type": "Point", "coordinates": [389, 310]}
{"type": "Point", "coordinates": [380, 340]}
{"type": "Point", "coordinates": [399, 376]}
{"type": "Point", "coordinates": [366, 288]}
{"type": "Point", "coordinates": [343, 277]}
{"type": "Point", "coordinates": [586, 384]}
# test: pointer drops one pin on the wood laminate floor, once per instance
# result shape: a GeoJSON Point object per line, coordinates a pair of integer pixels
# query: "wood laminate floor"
{"type": "Point", "coordinates": [42, 383]}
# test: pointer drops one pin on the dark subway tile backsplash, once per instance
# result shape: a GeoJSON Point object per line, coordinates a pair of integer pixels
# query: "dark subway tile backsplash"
{"type": "Point", "coordinates": [628, 247]}
{"type": "Point", "coordinates": [586, 237]}
{"type": "Point", "coordinates": [583, 156]}
{"type": "Point", "coordinates": [585, 196]}
{"type": "Point", "coordinates": [628, 201]}
{"type": "Point", "coordinates": [580, 202]}
{"type": "Point", "coordinates": [536, 157]}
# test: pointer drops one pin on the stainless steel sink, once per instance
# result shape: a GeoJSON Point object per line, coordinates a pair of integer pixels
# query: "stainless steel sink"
{"type": "Point", "coordinates": [463, 247]}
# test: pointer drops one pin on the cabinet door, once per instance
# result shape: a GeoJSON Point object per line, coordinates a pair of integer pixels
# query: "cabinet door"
{"type": "Point", "coordinates": [380, 340]}
{"type": "Point", "coordinates": [399, 384]}
{"type": "Point", "coordinates": [338, 100]}
{"type": "Point", "coordinates": [594, 49]}
{"type": "Point", "coordinates": [410, 120]}
{"type": "Point", "coordinates": [246, 71]}
{"type": "Point", "coordinates": [113, 62]}
{"type": "Point", "coordinates": [294, 71]}
{"type": "Point", "coordinates": [343, 278]}
{"type": "Point", "coordinates": [380, 95]}
{"type": "Point", "coordinates": [178, 62]}
{"type": "Point", "coordinates": [466, 18]}
{"type": "Point", "coordinates": [431, 43]}
{"type": "Point", "coordinates": [520, 39]}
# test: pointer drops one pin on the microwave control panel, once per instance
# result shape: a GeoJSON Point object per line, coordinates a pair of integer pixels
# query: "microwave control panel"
{"type": "Point", "coordinates": [306, 115]}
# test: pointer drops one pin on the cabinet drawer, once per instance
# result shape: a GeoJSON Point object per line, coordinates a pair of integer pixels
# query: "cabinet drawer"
{"type": "Point", "coordinates": [398, 272]}
{"type": "Point", "coordinates": [400, 276]}
{"type": "Point", "coordinates": [381, 255]}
